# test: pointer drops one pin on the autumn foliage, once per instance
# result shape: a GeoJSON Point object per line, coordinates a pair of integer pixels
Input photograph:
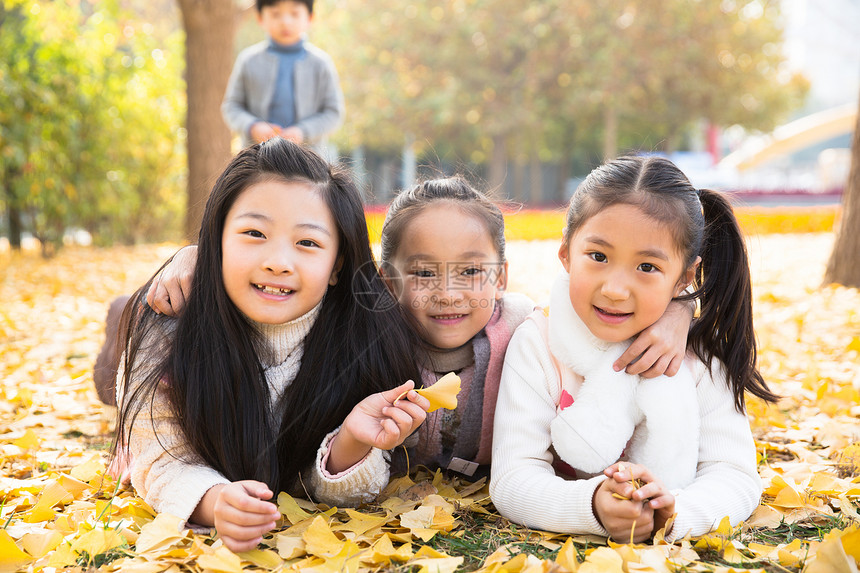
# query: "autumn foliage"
{"type": "Point", "coordinates": [59, 510]}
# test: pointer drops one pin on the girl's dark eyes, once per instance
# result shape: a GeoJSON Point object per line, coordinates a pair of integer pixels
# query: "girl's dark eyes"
{"type": "Point", "coordinates": [423, 273]}
{"type": "Point", "coordinates": [254, 233]}
{"type": "Point", "coordinates": [647, 268]}
{"type": "Point", "coordinates": [307, 243]}
{"type": "Point", "coordinates": [472, 271]}
{"type": "Point", "coordinates": [599, 257]}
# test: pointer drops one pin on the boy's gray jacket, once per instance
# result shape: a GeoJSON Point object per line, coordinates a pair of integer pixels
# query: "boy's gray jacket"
{"type": "Point", "coordinates": [317, 94]}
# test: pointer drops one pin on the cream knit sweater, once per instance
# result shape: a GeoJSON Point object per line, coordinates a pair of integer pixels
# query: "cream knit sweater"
{"type": "Point", "coordinates": [175, 486]}
{"type": "Point", "coordinates": [525, 488]}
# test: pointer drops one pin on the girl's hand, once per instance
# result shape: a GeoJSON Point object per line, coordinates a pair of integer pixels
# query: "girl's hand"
{"type": "Point", "coordinates": [170, 289]}
{"type": "Point", "coordinates": [652, 493]}
{"type": "Point", "coordinates": [239, 513]}
{"type": "Point", "coordinates": [660, 348]}
{"type": "Point", "coordinates": [377, 422]}
{"type": "Point", "coordinates": [626, 521]}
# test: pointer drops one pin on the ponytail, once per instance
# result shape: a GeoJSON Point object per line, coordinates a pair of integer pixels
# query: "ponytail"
{"type": "Point", "coordinates": [724, 328]}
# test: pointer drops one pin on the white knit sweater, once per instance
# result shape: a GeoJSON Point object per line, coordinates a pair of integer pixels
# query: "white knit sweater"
{"type": "Point", "coordinates": [525, 488]}
{"type": "Point", "coordinates": [175, 486]}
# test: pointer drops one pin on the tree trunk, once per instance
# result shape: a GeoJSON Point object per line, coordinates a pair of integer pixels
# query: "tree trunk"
{"type": "Point", "coordinates": [14, 227]}
{"type": "Point", "coordinates": [209, 30]}
{"type": "Point", "coordinates": [844, 265]}
{"type": "Point", "coordinates": [13, 211]}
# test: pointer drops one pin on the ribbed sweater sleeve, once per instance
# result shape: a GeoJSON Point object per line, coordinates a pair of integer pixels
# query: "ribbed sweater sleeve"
{"type": "Point", "coordinates": [163, 471]}
{"type": "Point", "coordinates": [727, 481]}
{"type": "Point", "coordinates": [356, 485]}
{"type": "Point", "coordinates": [524, 486]}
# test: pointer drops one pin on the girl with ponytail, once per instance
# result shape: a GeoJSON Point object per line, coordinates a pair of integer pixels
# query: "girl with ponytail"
{"type": "Point", "coordinates": [579, 448]}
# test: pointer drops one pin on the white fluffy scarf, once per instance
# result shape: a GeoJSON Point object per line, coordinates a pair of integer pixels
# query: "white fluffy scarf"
{"type": "Point", "coordinates": [659, 414]}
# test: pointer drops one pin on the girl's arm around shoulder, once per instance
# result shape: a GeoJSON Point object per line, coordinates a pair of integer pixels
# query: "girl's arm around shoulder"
{"type": "Point", "coordinates": [524, 486]}
{"type": "Point", "coordinates": [727, 482]}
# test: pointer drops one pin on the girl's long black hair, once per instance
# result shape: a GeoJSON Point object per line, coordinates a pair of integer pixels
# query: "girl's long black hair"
{"type": "Point", "coordinates": [703, 224]}
{"type": "Point", "coordinates": [208, 363]}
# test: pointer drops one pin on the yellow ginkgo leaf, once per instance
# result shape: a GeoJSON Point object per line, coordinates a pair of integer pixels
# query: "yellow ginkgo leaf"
{"type": "Point", "coordinates": [442, 394]}
{"type": "Point", "coordinates": [320, 540]}
{"type": "Point", "coordinates": [52, 494]}
{"type": "Point", "coordinates": [567, 557]}
{"type": "Point", "coordinates": [222, 560]}
{"type": "Point", "coordinates": [38, 544]}
{"type": "Point", "coordinates": [160, 534]}
{"type": "Point", "coordinates": [88, 470]}
{"type": "Point", "coordinates": [29, 441]}
{"type": "Point", "coordinates": [11, 556]}
{"type": "Point", "coordinates": [383, 551]}
{"type": "Point", "coordinates": [290, 546]}
{"type": "Point", "coordinates": [263, 558]}
{"type": "Point", "coordinates": [602, 560]}
{"type": "Point", "coordinates": [290, 509]}
{"type": "Point", "coordinates": [97, 541]}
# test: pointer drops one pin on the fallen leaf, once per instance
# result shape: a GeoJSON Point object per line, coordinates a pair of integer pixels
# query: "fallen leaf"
{"type": "Point", "coordinates": [290, 509]}
{"type": "Point", "coordinates": [222, 560]}
{"type": "Point", "coordinates": [97, 541]}
{"type": "Point", "coordinates": [11, 556]}
{"type": "Point", "coordinates": [160, 534]}
{"type": "Point", "coordinates": [320, 540]}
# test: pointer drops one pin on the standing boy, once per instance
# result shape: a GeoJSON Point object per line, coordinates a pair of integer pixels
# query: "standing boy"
{"type": "Point", "coordinates": [284, 85]}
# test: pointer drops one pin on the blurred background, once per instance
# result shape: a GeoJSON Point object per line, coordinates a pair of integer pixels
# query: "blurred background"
{"type": "Point", "coordinates": [110, 130]}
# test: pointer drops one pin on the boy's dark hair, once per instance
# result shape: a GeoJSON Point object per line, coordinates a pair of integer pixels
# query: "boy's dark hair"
{"type": "Point", "coordinates": [210, 368]}
{"type": "Point", "coordinates": [263, 3]}
{"type": "Point", "coordinates": [702, 224]}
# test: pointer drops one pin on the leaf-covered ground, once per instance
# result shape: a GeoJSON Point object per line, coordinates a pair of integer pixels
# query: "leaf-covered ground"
{"type": "Point", "coordinates": [58, 511]}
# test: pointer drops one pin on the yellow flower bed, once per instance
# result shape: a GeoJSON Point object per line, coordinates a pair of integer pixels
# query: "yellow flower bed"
{"type": "Point", "coordinates": [537, 224]}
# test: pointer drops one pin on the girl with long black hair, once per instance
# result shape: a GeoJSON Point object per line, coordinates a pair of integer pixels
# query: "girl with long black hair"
{"type": "Point", "coordinates": [283, 371]}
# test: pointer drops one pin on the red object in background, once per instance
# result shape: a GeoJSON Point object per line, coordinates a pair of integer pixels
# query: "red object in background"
{"type": "Point", "coordinates": [713, 142]}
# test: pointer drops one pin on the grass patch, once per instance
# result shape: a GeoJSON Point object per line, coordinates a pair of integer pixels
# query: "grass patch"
{"type": "Point", "coordinates": [102, 558]}
{"type": "Point", "coordinates": [788, 532]}
{"type": "Point", "coordinates": [481, 535]}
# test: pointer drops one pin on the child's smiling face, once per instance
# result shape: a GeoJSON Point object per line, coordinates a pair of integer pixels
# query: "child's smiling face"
{"type": "Point", "coordinates": [447, 274]}
{"type": "Point", "coordinates": [279, 250]}
{"type": "Point", "coordinates": [624, 269]}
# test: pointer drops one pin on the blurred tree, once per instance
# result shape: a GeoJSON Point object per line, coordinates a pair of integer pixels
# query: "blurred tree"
{"type": "Point", "coordinates": [86, 137]}
{"type": "Point", "coordinates": [500, 80]}
{"type": "Point", "coordinates": [209, 29]}
{"type": "Point", "coordinates": [844, 265]}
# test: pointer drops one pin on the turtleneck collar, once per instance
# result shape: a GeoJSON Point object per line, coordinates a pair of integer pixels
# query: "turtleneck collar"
{"type": "Point", "coordinates": [444, 360]}
{"type": "Point", "coordinates": [287, 48]}
{"type": "Point", "coordinates": [283, 339]}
